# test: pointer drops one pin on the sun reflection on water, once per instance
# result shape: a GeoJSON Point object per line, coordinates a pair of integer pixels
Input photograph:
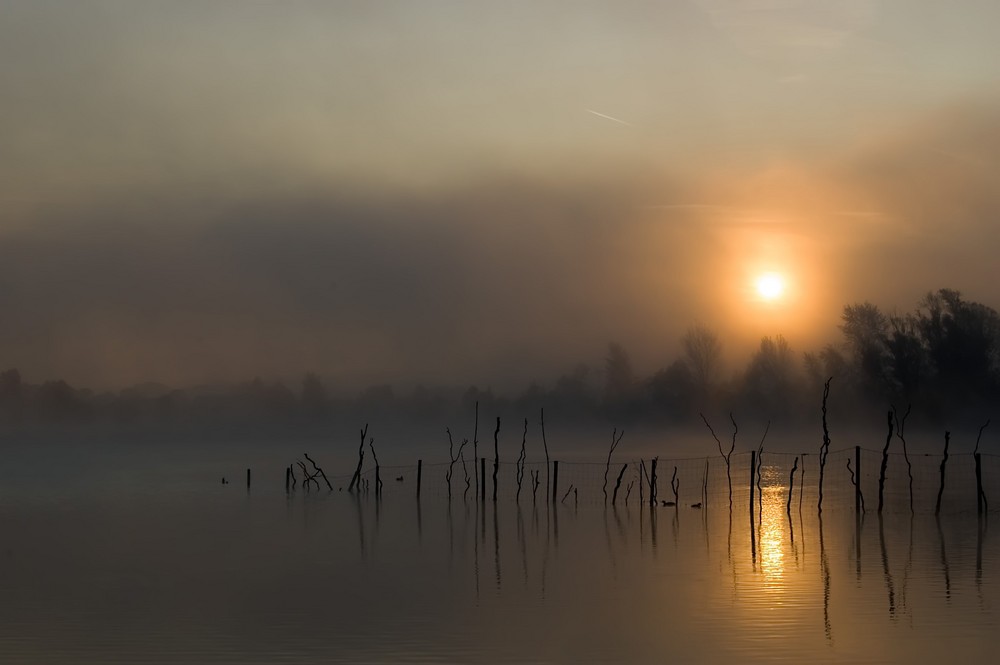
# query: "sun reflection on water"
{"type": "Point", "coordinates": [772, 535]}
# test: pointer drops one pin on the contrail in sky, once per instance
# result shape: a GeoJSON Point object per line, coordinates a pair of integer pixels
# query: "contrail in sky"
{"type": "Point", "coordinates": [608, 117]}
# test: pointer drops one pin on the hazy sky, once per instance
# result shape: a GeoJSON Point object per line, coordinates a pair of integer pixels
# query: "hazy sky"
{"type": "Point", "coordinates": [478, 192]}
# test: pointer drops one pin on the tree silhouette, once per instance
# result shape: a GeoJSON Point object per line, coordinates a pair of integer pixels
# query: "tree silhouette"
{"type": "Point", "coordinates": [619, 380]}
{"type": "Point", "coordinates": [770, 377]}
{"type": "Point", "coordinates": [703, 353]}
{"type": "Point", "coordinates": [865, 330]}
{"type": "Point", "coordinates": [963, 343]}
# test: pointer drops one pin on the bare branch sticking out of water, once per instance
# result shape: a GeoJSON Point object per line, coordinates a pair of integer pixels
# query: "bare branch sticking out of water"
{"type": "Point", "coordinates": [319, 471]}
{"type": "Point", "coordinates": [824, 450]}
{"type": "Point", "coordinates": [618, 484]}
{"type": "Point", "coordinates": [944, 463]}
{"type": "Point", "coordinates": [982, 505]}
{"type": "Point", "coordinates": [885, 461]}
{"type": "Point", "coordinates": [475, 447]}
{"type": "Point", "coordinates": [568, 492]}
{"type": "Point", "coordinates": [981, 498]}
{"type": "Point", "coordinates": [802, 482]}
{"type": "Point", "coordinates": [652, 481]}
{"type": "Point", "coordinates": [675, 485]}
{"type": "Point", "coordinates": [725, 456]}
{"type": "Point", "coordinates": [615, 440]}
{"type": "Point", "coordinates": [521, 459]}
{"type": "Point", "coordinates": [854, 483]}
{"type": "Point", "coordinates": [306, 476]}
{"type": "Point", "coordinates": [378, 475]}
{"type": "Point", "coordinates": [760, 466]}
{"type": "Point", "coordinates": [901, 435]}
{"type": "Point", "coordinates": [465, 471]}
{"type": "Point", "coordinates": [453, 458]}
{"type": "Point", "coordinates": [704, 485]}
{"type": "Point", "coordinates": [980, 435]}
{"type": "Point", "coordinates": [545, 445]}
{"type": "Point", "coordinates": [643, 479]}
{"type": "Point", "coordinates": [361, 460]}
{"type": "Point", "coordinates": [791, 486]}
{"type": "Point", "coordinates": [496, 457]}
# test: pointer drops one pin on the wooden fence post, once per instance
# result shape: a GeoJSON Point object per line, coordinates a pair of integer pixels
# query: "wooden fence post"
{"type": "Point", "coordinates": [753, 533]}
{"type": "Point", "coordinates": [979, 484]}
{"type": "Point", "coordinates": [420, 470]}
{"type": "Point", "coordinates": [248, 478]}
{"type": "Point", "coordinates": [857, 480]}
{"type": "Point", "coordinates": [482, 479]}
{"type": "Point", "coordinates": [555, 480]}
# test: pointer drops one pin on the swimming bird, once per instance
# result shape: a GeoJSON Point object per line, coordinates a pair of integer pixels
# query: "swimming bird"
{"type": "Point", "coordinates": [669, 503]}
{"type": "Point", "coordinates": [399, 479]}
{"type": "Point", "coordinates": [696, 505]}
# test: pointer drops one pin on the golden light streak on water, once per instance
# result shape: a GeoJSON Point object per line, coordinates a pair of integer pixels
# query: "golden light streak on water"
{"type": "Point", "coordinates": [773, 536]}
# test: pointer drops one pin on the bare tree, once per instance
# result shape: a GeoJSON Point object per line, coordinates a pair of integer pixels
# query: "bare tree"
{"type": "Point", "coordinates": [619, 378]}
{"type": "Point", "coordinates": [703, 352]}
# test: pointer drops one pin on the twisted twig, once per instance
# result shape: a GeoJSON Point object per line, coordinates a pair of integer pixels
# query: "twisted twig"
{"type": "Point", "coordinates": [944, 463]}
{"type": "Point", "coordinates": [901, 434]}
{"type": "Point", "coordinates": [615, 440]}
{"type": "Point", "coordinates": [824, 450]}
{"type": "Point", "coordinates": [725, 456]}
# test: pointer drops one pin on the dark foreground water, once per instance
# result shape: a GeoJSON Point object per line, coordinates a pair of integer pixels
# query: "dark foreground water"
{"type": "Point", "coordinates": [176, 568]}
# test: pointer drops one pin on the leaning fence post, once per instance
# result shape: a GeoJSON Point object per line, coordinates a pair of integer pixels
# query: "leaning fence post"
{"type": "Point", "coordinates": [857, 483]}
{"type": "Point", "coordinates": [753, 474]}
{"type": "Point", "coordinates": [420, 470]}
{"type": "Point", "coordinates": [944, 464]}
{"type": "Point", "coordinates": [979, 484]}
{"type": "Point", "coordinates": [555, 480]}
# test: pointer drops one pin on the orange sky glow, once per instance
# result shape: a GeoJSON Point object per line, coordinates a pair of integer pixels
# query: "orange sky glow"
{"type": "Point", "coordinates": [463, 192]}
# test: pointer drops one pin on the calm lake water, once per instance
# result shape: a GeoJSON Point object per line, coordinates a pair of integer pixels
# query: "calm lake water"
{"type": "Point", "coordinates": [142, 556]}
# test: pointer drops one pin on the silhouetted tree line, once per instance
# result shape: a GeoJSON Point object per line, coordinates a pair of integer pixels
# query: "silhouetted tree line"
{"type": "Point", "coordinates": [943, 358]}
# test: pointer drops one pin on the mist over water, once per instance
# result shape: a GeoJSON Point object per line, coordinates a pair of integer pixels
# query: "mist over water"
{"type": "Point", "coordinates": [164, 566]}
{"type": "Point", "coordinates": [244, 244]}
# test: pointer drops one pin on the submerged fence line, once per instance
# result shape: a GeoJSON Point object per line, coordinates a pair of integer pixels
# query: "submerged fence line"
{"type": "Point", "coordinates": [852, 475]}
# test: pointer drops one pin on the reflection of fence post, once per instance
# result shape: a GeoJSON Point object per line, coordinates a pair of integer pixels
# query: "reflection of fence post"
{"type": "Point", "coordinates": [420, 469]}
{"type": "Point", "coordinates": [753, 473]}
{"type": "Point", "coordinates": [857, 480]}
{"type": "Point", "coordinates": [482, 479]}
{"type": "Point", "coordinates": [555, 480]}
{"type": "Point", "coordinates": [979, 484]}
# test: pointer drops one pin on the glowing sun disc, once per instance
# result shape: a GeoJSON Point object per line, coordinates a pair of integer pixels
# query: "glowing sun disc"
{"type": "Point", "coordinates": [770, 286]}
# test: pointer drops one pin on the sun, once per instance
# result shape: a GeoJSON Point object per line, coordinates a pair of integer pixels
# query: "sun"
{"type": "Point", "coordinates": [770, 286]}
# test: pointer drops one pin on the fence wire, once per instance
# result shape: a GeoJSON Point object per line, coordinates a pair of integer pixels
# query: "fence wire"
{"type": "Point", "coordinates": [702, 481]}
